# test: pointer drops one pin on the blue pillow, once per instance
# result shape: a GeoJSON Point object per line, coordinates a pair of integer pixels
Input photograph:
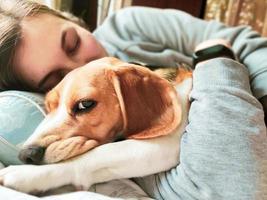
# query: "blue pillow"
{"type": "Point", "coordinates": [20, 114]}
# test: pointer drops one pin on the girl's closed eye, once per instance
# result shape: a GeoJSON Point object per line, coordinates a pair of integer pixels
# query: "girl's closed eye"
{"type": "Point", "coordinates": [52, 79]}
{"type": "Point", "coordinates": [70, 41]}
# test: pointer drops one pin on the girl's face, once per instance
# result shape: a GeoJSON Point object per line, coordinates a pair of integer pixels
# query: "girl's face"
{"type": "Point", "coordinates": [50, 47]}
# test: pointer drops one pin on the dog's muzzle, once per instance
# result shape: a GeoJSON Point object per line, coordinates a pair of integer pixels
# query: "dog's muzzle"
{"type": "Point", "coordinates": [32, 155]}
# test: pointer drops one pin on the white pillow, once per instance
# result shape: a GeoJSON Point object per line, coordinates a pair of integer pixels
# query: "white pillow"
{"type": "Point", "coordinates": [20, 114]}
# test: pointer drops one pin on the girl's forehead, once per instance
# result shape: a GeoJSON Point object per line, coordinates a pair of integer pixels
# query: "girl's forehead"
{"type": "Point", "coordinates": [40, 35]}
{"type": "Point", "coordinates": [43, 20]}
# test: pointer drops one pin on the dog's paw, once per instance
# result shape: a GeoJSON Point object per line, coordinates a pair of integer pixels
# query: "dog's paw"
{"type": "Point", "coordinates": [26, 178]}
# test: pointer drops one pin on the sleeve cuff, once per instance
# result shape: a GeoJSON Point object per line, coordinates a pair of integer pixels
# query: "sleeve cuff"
{"type": "Point", "coordinates": [222, 72]}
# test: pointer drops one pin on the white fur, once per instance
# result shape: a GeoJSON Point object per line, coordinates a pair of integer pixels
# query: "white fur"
{"type": "Point", "coordinates": [51, 121]}
{"type": "Point", "coordinates": [125, 159]}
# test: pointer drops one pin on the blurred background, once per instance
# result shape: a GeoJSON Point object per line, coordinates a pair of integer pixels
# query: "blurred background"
{"type": "Point", "coordinates": [231, 12]}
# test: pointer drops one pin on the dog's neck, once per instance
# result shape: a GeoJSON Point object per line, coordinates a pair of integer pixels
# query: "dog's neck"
{"type": "Point", "coordinates": [183, 90]}
{"type": "Point", "coordinates": [181, 79]}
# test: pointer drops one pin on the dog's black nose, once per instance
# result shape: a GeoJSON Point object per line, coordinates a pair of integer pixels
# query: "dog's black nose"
{"type": "Point", "coordinates": [32, 155]}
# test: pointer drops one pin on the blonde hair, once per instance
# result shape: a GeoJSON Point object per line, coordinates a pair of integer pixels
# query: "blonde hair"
{"type": "Point", "coordinates": [12, 12]}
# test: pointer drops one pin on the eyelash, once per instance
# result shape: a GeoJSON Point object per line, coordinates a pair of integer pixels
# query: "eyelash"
{"type": "Point", "coordinates": [56, 79]}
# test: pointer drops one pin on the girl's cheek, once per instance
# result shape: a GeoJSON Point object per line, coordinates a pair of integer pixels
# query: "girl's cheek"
{"type": "Point", "coordinates": [95, 49]}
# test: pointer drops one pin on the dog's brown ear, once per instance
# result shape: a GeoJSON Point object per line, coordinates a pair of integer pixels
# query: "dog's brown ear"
{"type": "Point", "coordinates": [149, 103]}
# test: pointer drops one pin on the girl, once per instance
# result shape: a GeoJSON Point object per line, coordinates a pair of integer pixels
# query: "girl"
{"type": "Point", "coordinates": [38, 46]}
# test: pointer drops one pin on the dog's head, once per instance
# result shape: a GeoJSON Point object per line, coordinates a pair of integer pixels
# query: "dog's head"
{"type": "Point", "coordinates": [98, 103]}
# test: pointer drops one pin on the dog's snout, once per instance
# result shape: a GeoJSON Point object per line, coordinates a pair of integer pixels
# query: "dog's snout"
{"type": "Point", "coordinates": [32, 155]}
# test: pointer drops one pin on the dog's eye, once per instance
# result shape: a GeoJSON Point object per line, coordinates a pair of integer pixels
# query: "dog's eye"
{"type": "Point", "coordinates": [84, 106]}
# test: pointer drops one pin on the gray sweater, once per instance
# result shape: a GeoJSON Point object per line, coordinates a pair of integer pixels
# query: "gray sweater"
{"type": "Point", "coordinates": [223, 150]}
{"type": "Point", "coordinates": [167, 37]}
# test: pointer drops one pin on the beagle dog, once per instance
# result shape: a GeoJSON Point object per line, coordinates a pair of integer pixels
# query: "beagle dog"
{"type": "Point", "coordinates": [106, 100]}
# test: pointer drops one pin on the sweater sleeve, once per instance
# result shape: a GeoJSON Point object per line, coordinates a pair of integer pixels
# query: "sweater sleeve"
{"type": "Point", "coordinates": [138, 31]}
{"type": "Point", "coordinates": [216, 161]}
